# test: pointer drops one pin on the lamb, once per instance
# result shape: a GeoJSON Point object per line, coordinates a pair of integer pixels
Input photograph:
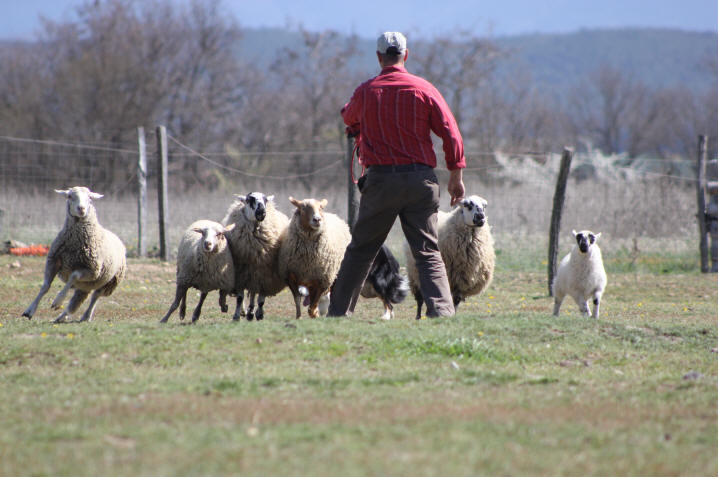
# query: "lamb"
{"type": "Point", "coordinates": [311, 251]}
{"type": "Point", "coordinates": [581, 274]}
{"type": "Point", "coordinates": [467, 248]}
{"type": "Point", "coordinates": [87, 256]}
{"type": "Point", "coordinates": [204, 262]}
{"type": "Point", "coordinates": [255, 243]}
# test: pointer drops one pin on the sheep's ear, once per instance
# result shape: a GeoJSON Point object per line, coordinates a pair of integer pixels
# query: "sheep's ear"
{"type": "Point", "coordinates": [464, 202]}
{"type": "Point", "coordinates": [241, 198]}
{"type": "Point", "coordinates": [95, 195]}
{"type": "Point", "coordinates": [598, 236]}
{"type": "Point", "coordinates": [323, 203]}
{"type": "Point", "coordinates": [270, 198]}
{"type": "Point", "coordinates": [198, 230]}
{"type": "Point", "coordinates": [65, 192]}
{"type": "Point", "coordinates": [228, 228]}
{"type": "Point", "coordinates": [296, 203]}
{"type": "Point", "coordinates": [484, 203]}
{"type": "Point", "coordinates": [574, 233]}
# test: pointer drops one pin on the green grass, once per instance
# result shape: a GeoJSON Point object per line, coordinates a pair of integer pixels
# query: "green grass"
{"type": "Point", "coordinates": [503, 388]}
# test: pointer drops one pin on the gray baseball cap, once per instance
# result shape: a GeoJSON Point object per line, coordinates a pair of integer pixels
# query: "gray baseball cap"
{"type": "Point", "coordinates": [391, 39]}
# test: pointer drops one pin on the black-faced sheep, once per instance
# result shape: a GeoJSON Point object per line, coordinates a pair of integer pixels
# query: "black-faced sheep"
{"type": "Point", "coordinates": [312, 250]}
{"type": "Point", "coordinates": [87, 256]}
{"type": "Point", "coordinates": [204, 262]}
{"type": "Point", "coordinates": [581, 274]}
{"type": "Point", "coordinates": [255, 239]}
{"type": "Point", "coordinates": [467, 248]}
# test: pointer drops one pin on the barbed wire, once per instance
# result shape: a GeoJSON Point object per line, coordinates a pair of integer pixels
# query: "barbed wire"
{"type": "Point", "coordinates": [250, 174]}
{"type": "Point", "coordinates": [206, 156]}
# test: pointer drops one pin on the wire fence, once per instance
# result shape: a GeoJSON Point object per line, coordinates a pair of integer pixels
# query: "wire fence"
{"type": "Point", "coordinates": [624, 199]}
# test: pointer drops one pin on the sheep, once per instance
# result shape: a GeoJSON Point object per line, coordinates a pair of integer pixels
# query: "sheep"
{"type": "Point", "coordinates": [255, 243]}
{"type": "Point", "coordinates": [87, 256]}
{"type": "Point", "coordinates": [311, 251]}
{"type": "Point", "coordinates": [204, 262]}
{"type": "Point", "coordinates": [467, 249]}
{"type": "Point", "coordinates": [581, 274]}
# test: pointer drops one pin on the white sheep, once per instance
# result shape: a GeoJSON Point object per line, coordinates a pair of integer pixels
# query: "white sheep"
{"type": "Point", "coordinates": [467, 249]}
{"type": "Point", "coordinates": [312, 251]}
{"type": "Point", "coordinates": [255, 241]}
{"type": "Point", "coordinates": [87, 256]}
{"type": "Point", "coordinates": [204, 262]}
{"type": "Point", "coordinates": [581, 274]}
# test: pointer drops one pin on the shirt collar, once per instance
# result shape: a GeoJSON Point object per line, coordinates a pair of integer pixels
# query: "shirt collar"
{"type": "Point", "coordinates": [393, 69]}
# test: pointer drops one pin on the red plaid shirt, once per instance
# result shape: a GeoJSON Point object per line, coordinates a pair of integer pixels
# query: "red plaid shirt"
{"type": "Point", "coordinates": [394, 113]}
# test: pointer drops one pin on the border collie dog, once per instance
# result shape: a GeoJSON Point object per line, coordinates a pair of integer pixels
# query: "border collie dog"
{"type": "Point", "coordinates": [386, 282]}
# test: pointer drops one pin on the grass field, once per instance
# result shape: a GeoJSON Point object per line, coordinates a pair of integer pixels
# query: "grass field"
{"type": "Point", "coordinates": [503, 388]}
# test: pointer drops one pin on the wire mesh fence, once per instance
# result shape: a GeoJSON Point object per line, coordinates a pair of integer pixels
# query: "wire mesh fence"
{"type": "Point", "coordinates": [645, 198]}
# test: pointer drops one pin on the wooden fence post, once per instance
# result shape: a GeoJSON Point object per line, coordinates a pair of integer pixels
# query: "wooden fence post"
{"type": "Point", "coordinates": [352, 190]}
{"type": "Point", "coordinates": [141, 193]}
{"type": "Point", "coordinates": [701, 185]}
{"type": "Point", "coordinates": [558, 200]}
{"type": "Point", "coordinates": [162, 189]}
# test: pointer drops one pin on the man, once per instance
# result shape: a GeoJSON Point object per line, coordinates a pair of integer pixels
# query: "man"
{"type": "Point", "coordinates": [394, 114]}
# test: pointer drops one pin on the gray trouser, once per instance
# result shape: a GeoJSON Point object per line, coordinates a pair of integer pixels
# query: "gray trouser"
{"type": "Point", "coordinates": [414, 197]}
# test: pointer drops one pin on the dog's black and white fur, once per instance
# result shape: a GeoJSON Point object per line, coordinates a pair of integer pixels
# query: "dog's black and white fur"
{"type": "Point", "coordinates": [386, 282]}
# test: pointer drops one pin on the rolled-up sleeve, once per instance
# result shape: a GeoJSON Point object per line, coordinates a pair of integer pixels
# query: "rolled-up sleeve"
{"type": "Point", "coordinates": [444, 125]}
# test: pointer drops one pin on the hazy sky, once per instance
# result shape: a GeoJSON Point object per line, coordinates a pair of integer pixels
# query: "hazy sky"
{"type": "Point", "coordinates": [20, 18]}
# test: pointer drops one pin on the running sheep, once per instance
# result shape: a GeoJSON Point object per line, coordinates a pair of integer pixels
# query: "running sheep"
{"type": "Point", "coordinates": [88, 257]}
{"type": "Point", "coordinates": [581, 274]}
{"type": "Point", "coordinates": [255, 239]}
{"type": "Point", "coordinates": [204, 262]}
{"type": "Point", "coordinates": [311, 251]}
{"type": "Point", "coordinates": [467, 249]}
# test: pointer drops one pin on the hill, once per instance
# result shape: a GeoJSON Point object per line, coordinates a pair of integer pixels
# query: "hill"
{"type": "Point", "coordinates": [658, 57]}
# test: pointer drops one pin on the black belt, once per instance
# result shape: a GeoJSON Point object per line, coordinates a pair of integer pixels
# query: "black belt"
{"type": "Point", "coordinates": [399, 167]}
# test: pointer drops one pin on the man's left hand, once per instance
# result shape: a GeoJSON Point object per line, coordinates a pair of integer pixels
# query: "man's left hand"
{"type": "Point", "coordinates": [456, 186]}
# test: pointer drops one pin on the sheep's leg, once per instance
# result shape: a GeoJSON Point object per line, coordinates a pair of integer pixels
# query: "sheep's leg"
{"type": "Point", "coordinates": [87, 316]}
{"type": "Point", "coordinates": [180, 299]}
{"type": "Point", "coordinates": [183, 306]}
{"type": "Point", "coordinates": [457, 298]}
{"type": "Point", "coordinates": [583, 307]}
{"type": "Point", "coordinates": [198, 308]}
{"type": "Point", "coordinates": [74, 276]}
{"type": "Point", "coordinates": [260, 307]}
{"type": "Point", "coordinates": [324, 304]}
{"type": "Point", "coordinates": [51, 269]}
{"type": "Point", "coordinates": [294, 288]}
{"type": "Point", "coordinates": [238, 310]}
{"type": "Point", "coordinates": [77, 298]}
{"type": "Point", "coordinates": [557, 300]}
{"type": "Point", "coordinates": [223, 301]}
{"type": "Point", "coordinates": [596, 304]}
{"type": "Point", "coordinates": [250, 308]}
{"type": "Point", "coordinates": [419, 303]}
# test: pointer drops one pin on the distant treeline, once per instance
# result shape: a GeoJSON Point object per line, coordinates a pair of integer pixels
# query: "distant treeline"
{"type": "Point", "coordinates": [122, 64]}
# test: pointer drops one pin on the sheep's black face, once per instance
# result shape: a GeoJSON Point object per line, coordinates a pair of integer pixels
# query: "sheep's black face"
{"type": "Point", "coordinates": [474, 211]}
{"type": "Point", "coordinates": [257, 205]}
{"type": "Point", "coordinates": [585, 240]}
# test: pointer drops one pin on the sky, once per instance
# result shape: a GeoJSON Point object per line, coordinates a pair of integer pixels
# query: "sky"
{"type": "Point", "coordinates": [367, 18]}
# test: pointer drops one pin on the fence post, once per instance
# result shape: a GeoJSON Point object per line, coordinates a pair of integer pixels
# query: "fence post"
{"type": "Point", "coordinates": [162, 189]}
{"type": "Point", "coordinates": [558, 200]}
{"type": "Point", "coordinates": [141, 193]}
{"type": "Point", "coordinates": [701, 195]}
{"type": "Point", "coordinates": [352, 190]}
